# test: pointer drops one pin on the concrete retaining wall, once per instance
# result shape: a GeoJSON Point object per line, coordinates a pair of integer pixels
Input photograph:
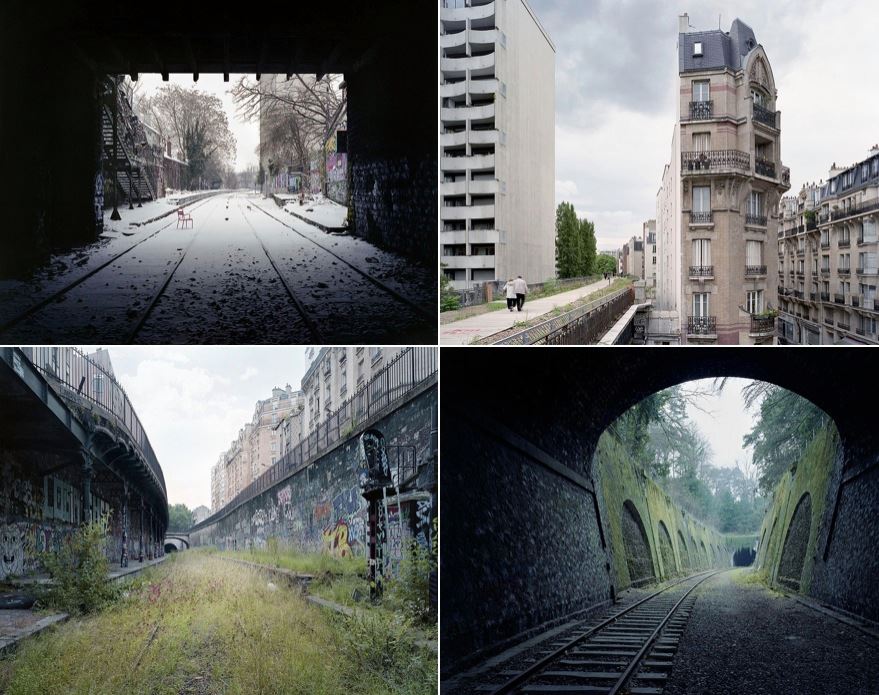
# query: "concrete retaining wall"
{"type": "Point", "coordinates": [320, 506]}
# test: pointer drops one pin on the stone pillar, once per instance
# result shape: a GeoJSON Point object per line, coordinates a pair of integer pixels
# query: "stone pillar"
{"type": "Point", "coordinates": [123, 561]}
{"type": "Point", "coordinates": [87, 472]}
{"type": "Point", "coordinates": [140, 558]}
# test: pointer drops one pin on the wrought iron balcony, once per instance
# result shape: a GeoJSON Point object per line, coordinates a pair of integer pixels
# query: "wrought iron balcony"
{"type": "Point", "coordinates": [838, 298]}
{"type": "Point", "coordinates": [855, 300]}
{"type": "Point", "coordinates": [844, 271]}
{"type": "Point", "coordinates": [825, 243]}
{"type": "Point", "coordinates": [701, 110]}
{"type": "Point", "coordinates": [854, 210]}
{"type": "Point", "coordinates": [825, 296]}
{"type": "Point", "coordinates": [844, 243]}
{"type": "Point", "coordinates": [813, 296]}
{"type": "Point", "coordinates": [762, 325]}
{"type": "Point", "coordinates": [701, 271]}
{"type": "Point", "coordinates": [755, 270]}
{"type": "Point", "coordinates": [757, 220]}
{"type": "Point", "coordinates": [764, 115]}
{"type": "Point", "coordinates": [701, 325]}
{"type": "Point", "coordinates": [825, 272]}
{"type": "Point", "coordinates": [811, 225]}
{"type": "Point", "coordinates": [714, 160]}
{"type": "Point", "coordinates": [797, 293]}
{"type": "Point", "coordinates": [828, 320]}
{"type": "Point", "coordinates": [764, 167]}
{"type": "Point", "coordinates": [859, 331]}
{"type": "Point", "coordinates": [843, 325]}
{"type": "Point", "coordinates": [860, 270]}
{"type": "Point", "coordinates": [701, 218]}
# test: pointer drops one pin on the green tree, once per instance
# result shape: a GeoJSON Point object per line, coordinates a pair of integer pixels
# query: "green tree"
{"type": "Point", "coordinates": [566, 242]}
{"type": "Point", "coordinates": [449, 299]}
{"type": "Point", "coordinates": [179, 518]}
{"type": "Point", "coordinates": [605, 264]}
{"type": "Point", "coordinates": [587, 245]}
{"type": "Point", "coordinates": [785, 425]}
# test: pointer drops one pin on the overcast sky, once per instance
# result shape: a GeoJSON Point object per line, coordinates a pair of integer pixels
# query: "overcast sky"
{"type": "Point", "coordinates": [193, 400]}
{"type": "Point", "coordinates": [246, 134]}
{"type": "Point", "coordinates": [616, 62]}
{"type": "Point", "coordinates": [723, 419]}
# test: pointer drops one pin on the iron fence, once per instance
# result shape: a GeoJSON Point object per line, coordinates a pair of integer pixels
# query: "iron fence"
{"type": "Point", "coordinates": [409, 370]}
{"type": "Point", "coordinates": [76, 376]}
{"type": "Point", "coordinates": [581, 326]}
{"type": "Point", "coordinates": [710, 160]}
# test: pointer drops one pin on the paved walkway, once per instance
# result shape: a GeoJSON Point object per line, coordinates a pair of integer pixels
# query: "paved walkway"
{"type": "Point", "coordinates": [465, 331]}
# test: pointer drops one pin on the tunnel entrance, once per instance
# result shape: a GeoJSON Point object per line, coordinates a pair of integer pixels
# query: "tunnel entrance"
{"type": "Point", "coordinates": [744, 557]}
{"type": "Point", "coordinates": [793, 555]}
{"type": "Point", "coordinates": [638, 558]}
{"type": "Point", "coordinates": [170, 548]}
{"type": "Point", "coordinates": [666, 551]}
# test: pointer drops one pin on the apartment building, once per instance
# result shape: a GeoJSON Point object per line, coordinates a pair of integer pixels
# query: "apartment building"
{"type": "Point", "coordinates": [632, 258]}
{"type": "Point", "coordinates": [717, 207]}
{"type": "Point", "coordinates": [498, 142]}
{"type": "Point", "coordinates": [648, 259]}
{"type": "Point", "coordinates": [827, 253]}
{"type": "Point", "coordinates": [334, 374]}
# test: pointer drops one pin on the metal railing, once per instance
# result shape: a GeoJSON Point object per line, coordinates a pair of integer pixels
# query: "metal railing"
{"type": "Point", "coordinates": [407, 372]}
{"type": "Point", "coordinates": [759, 220]}
{"type": "Point", "coordinates": [76, 376]}
{"type": "Point", "coordinates": [581, 326]}
{"type": "Point", "coordinates": [764, 115]}
{"type": "Point", "coordinates": [701, 325]}
{"type": "Point", "coordinates": [701, 271]}
{"type": "Point", "coordinates": [853, 210]}
{"type": "Point", "coordinates": [755, 270]}
{"type": "Point", "coordinates": [710, 160]}
{"type": "Point", "coordinates": [762, 324]}
{"type": "Point", "coordinates": [701, 110]}
{"type": "Point", "coordinates": [764, 167]}
{"type": "Point", "coordinates": [700, 217]}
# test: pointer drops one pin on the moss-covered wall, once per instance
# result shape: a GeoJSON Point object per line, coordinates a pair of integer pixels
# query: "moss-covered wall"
{"type": "Point", "coordinates": [620, 480]}
{"type": "Point", "coordinates": [811, 476]}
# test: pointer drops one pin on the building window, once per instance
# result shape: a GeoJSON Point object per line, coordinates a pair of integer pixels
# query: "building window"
{"type": "Point", "coordinates": [755, 302]}
{"type": "Point", "coordinates": [758, 97]}
{"type": "Point", "coordinates": [697, 49]}
{"type": "Point", "coordinates": [825, 263]}
{"type": "Point", "coordinates": [844, 261]}
{"type": "Point", "coordinates": [701, 199]}
{"type": "Point", "coordinates": [702, 252]}
{"type": "Point", "coordinates": [754, 253]}
{"type": "Point", "coordinates": [755, 204]}
{"type": "Point", "coordinates": [701, 142]}
{"type": "Point", "coordinates": [700, 304]}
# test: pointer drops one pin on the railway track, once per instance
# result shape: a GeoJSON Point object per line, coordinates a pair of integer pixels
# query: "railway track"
{"type": "Point", "coordinates": [58, 294]}
{"type": "Point", "coordinates": [631, 650]}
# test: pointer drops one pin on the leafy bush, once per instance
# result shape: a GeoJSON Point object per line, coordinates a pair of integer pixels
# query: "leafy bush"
{"type": "Point", "coordinates": [410, 590]}
{"type": "Point", "coordinates": [79, 570]}
{"type": "Point", "coordinates": [383, 645]}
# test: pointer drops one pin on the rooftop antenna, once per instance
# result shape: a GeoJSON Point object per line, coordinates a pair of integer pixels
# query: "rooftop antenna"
{"type": "Point", "coordinates": [719, 23]}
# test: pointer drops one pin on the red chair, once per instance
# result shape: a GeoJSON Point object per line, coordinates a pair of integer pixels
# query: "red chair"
{"type": "Point", "coordinates": [184, 218]}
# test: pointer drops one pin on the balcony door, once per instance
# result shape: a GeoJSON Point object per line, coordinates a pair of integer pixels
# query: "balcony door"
{"type": "Point", "coordinates": [701, 308]}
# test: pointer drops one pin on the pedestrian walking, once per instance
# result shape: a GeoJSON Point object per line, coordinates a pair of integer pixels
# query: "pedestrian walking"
{"type": "Point", "coordinates": [510, 293]}
{"type": "Point", "coordinates": [521, 290]}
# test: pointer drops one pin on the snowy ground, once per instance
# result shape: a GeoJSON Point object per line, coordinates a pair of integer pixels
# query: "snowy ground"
{"type": "Point", "coordinates": [316, 209]}
{"type": "Point", "coordinates": [225, 289]}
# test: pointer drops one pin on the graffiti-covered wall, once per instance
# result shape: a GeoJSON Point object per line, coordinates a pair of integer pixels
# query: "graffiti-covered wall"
{"type": "Point", "coordinates": [321, 507]}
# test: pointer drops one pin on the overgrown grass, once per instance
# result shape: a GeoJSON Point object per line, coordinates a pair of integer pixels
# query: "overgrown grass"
{"type": "Point", "coordinates": [200, 624]}
{"type": "Point", "coordinates": [301, 562]}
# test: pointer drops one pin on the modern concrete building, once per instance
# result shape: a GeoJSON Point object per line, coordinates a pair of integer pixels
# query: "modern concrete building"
{"type": "Point", "coordinates": [632, 258]}
{"type": "Point", "coordinates": [498, 142]}
{"type": "Point", "coordinates": [717, 207]}
{"type": "Point", "coordinates": [648, 262]}
{"type": "Point", "coordinates": [827, 253]}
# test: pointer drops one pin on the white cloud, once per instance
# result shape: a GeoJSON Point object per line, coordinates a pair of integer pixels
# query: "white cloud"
{"type": "Point", "coordinates": [249, 373]}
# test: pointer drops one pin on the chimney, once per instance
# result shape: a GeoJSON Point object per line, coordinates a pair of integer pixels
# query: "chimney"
{"type": "Point", "coordinates": [874, 150]}
{"type": "Point", "coordinates": [683, 23]}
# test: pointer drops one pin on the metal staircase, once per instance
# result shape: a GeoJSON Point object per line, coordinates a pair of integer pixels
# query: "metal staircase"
{"type": "Point", "coordinates": [120, 160]}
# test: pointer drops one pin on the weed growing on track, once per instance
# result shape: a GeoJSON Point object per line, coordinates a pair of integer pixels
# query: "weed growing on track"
{"type": "Point", "coordinates": [200, 624]}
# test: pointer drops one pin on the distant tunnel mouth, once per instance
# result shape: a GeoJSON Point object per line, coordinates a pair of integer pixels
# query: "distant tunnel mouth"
{"type": "Point", "coordinates": [170, 548]}
{"type": "Point", "coordinates": [744, 557]}
{"type": "Point", "coordinates": [638, 557]}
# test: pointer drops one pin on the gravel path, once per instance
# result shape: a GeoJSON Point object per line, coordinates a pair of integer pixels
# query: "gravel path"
{"type": "Point", "coordinates": [743, 638]}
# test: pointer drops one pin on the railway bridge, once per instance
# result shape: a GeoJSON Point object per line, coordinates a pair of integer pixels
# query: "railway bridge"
{"type": "Point", "coordinates": [73, 450]}
{"type": "Point", "coordinates": [175, 542]}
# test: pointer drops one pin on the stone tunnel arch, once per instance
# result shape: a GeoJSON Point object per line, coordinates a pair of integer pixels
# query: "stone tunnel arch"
{"type": "Point", "coordinates": [793, 554]}
{"type": "Point", "coordinates": [683, 552]}
{"type": "Point", "coordinates": [639, 559]}
{"type": "Point", "coordinates": [666, 551]}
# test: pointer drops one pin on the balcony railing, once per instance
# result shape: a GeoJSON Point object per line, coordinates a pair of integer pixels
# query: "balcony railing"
{"type": "Point", "coordinates": [797, 293]}
{"type": "Point", "coordinates": [757, 220]}
{"type": "Point", "coordinates": [764, 115]}
{"type": "Point", "coordinates": [77, 376]}
{"type": "Point", "coordinates": [843, 325]}
{"type": "Point", "coordinates": [825, 296]}
{"type": "Point", "coordinates": [701, 325]}
{"type": "Point", "coordinates": [825, 243]}
{"type": "Point", "coordinates": [755, 270]}
{"type": "Point", "coordinates": [700, 218]}
{"type": "Point", "coordinates": [701, 110]}
{"type": "Point", "coordinates": [713, 160]}
{"type": "Point", "coordinates": [844, 271]}
{"type": "Point", "coordinates": [853, 210]}
{"type": "Point", "coordinates": [855, 299]}
{"type": "Point", "coordinates": [838, 298]}
{"type": "Point", "coordinates": [762, 325]}
{"type": "Point", "coordinates": [811, 225]}
{"type": "Point", "coordinates": [764, 167]}
{"type": "Point", "coordinates": [813, 296]}
{"type": "Point", "coordinates": [701, 271]}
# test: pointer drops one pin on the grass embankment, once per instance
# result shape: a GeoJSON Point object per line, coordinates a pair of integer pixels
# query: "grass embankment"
{"type": "Point", "coordinates": [200, 624]}
{"type": "Point", "coordinates": [615, 286]}
{"type": "Point", "coordinates": [548, 289]}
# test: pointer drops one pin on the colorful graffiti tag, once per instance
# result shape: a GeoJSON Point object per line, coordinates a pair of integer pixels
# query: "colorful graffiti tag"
{"type": "Point", "coordinates": [336, 540]}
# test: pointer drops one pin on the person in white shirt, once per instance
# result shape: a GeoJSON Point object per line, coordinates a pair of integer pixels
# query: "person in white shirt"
{"type": "Point", "coordinates": [521, 290]}
{"type": "Point", "coordinates": [510, 292]}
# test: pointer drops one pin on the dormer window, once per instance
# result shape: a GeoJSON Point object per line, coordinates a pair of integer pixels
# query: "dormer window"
{"type": "Point", "coordinates": [697, 49]}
